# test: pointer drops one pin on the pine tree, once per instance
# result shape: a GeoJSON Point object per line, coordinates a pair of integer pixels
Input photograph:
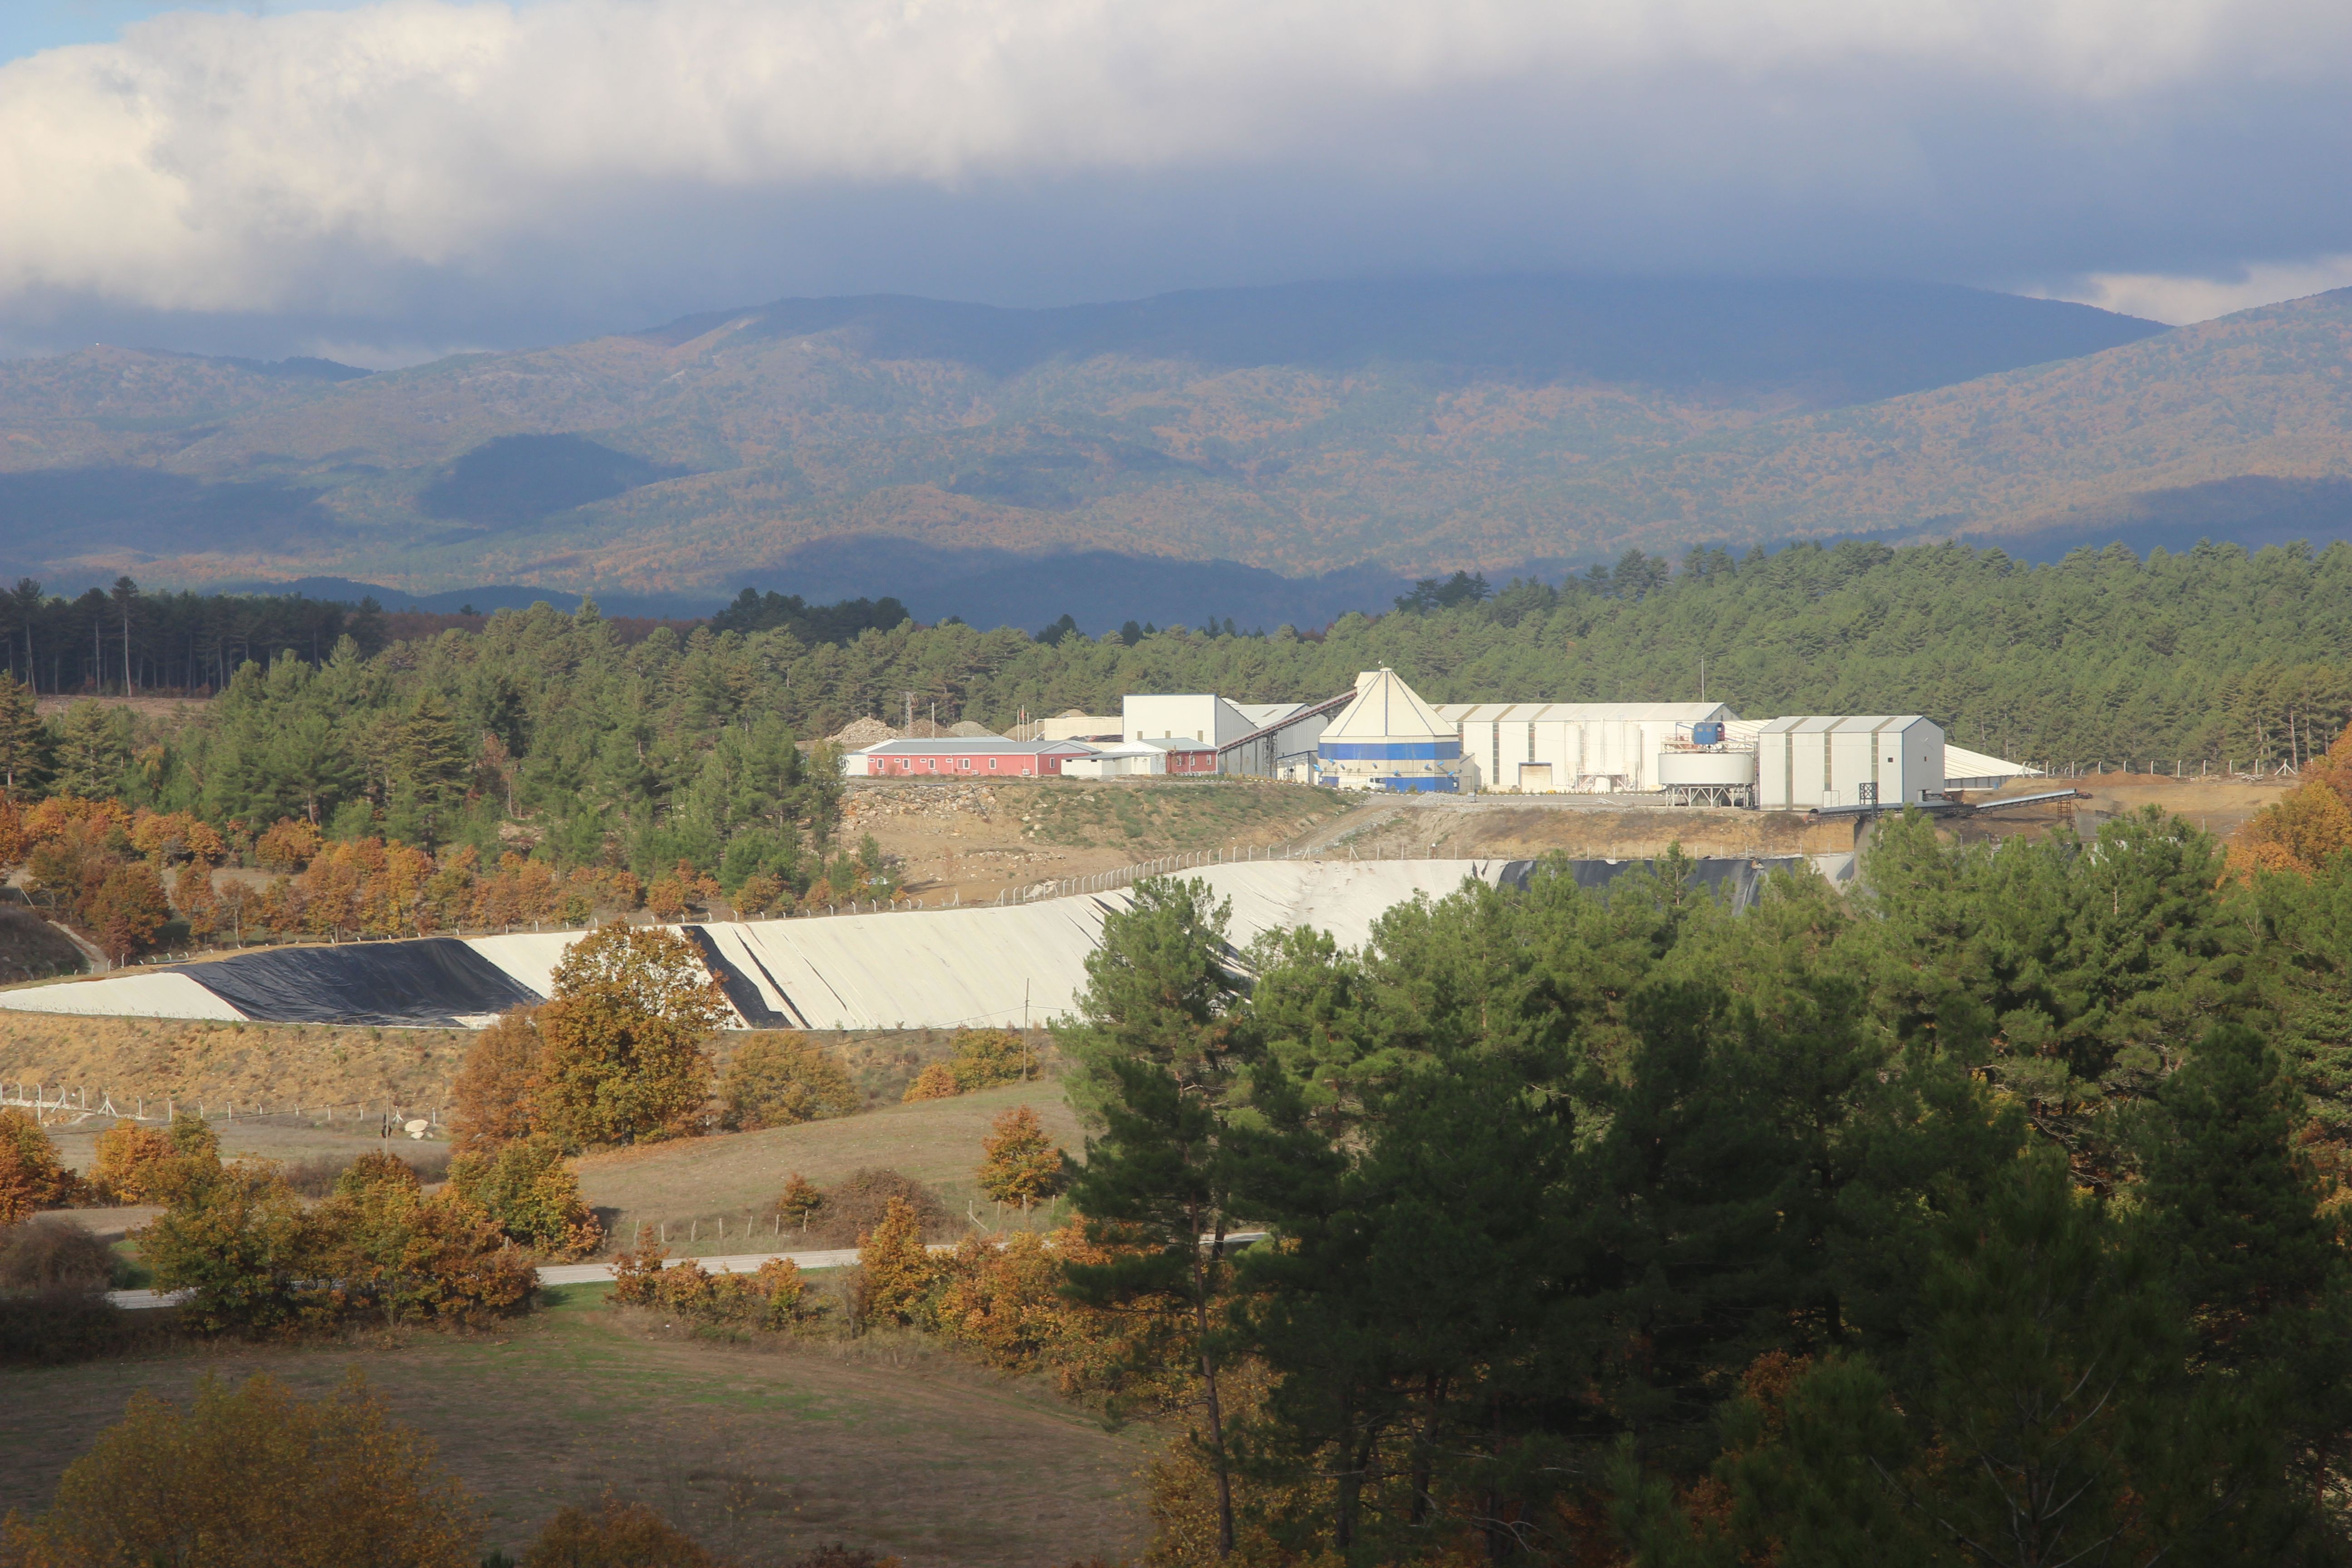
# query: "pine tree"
{"type": "Point", "coordinates": [20, 735]}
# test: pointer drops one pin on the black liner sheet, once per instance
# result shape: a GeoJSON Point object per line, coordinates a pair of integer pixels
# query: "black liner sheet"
{"type": "Point", "coordinates": [739, 988]}
{"type": "Point", "coordinates": [433, 981]}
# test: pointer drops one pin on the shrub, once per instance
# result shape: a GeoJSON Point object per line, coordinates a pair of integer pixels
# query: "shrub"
{"type": "Point", "coordinates": [1019, 1164]}
{"type": "Point", "coordinates": [252, 1474]}
{"type": "Point", "coordinates": [624, 1054]}
{"type": "Point", "coordinates": [1006, 1303]}
{"type": "Point", "coordinates": [234, 1239]}
{"type": "Point", "coordinates": [380, 1247]}
{"type": "Point", "coordinates": [856, 1204]}
{"type": "Point", "coordinates": [982, 1059]}
{"type": "Point", "coordinates": [51, 1308]}
{"type": "Point", "coordinates": [258, 1261]}
{"type": "Point", "coordinates": [774, 1299]}
{"type": "Point", "coordinates": [32, 1177]}
{"type": "Point", "coordinates": [51, 1255]}
{"type": "Point", "coordinates": [937, 1081]}
{"type": "Point", "coordinates": [373, 1170]}
{"type": "Point", "coordinates": [316, 1177]}
{"type": "Point", "coordinates": [783, 1078]}
{"type": "Point", "coordinates": [896, 1273]}
{"type": "Point", "coordinates": [800, 1200]}
{"type": "Point", "coordinates": [193, 1136]}
{"type": "Point", "coordinates": [530, 1194]}
{"type": "Point", "coordinates": [137, 1165]}
{"type": "Point", "coordinates": [616, 1534]}
{"type": "Point", "coordinates": [492, 1102]}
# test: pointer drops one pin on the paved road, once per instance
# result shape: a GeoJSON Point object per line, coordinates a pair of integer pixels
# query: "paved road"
{"type": "Point", "coordinates": [591, 1273]}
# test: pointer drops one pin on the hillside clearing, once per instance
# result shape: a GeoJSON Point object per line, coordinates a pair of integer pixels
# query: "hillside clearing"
{"type": "Point", "coordinates": [735, 1174]}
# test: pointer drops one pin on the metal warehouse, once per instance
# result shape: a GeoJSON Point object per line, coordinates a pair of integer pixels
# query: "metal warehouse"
{"type": "Point", "coordinates": [1584, 748]}
{"type": "Point", "coordinates": [1827, 762]}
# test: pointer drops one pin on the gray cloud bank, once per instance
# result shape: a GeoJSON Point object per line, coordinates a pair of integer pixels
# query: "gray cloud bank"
{"type": "Point", "coordinates": [410, 176]}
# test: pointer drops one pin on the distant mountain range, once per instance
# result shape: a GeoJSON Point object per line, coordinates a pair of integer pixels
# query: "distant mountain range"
{"type": "Point", "coordinates": [1296, 447]}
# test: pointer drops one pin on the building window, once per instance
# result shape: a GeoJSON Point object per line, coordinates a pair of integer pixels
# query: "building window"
{"type": "Point", "coordinates": [991, 764]}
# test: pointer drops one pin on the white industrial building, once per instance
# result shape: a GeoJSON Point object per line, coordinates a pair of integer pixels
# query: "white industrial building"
{"type": "Point", "coordinates": [1823, 761]}
{"type": "Point", "coordinates": [1582, 748]}
{"type": "Point", "coordinates": [1389, 738]}
{"type": "Point", "coordinates": [1285, 748]}
{"type": "Point", "coordinates": [1197, 716]}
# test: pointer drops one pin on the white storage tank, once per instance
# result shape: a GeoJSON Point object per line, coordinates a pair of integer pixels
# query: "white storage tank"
{"type": "Point", "coordinates": [1708, 776]}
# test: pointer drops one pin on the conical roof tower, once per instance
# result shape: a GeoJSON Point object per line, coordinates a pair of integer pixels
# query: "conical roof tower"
{"type": "Point", "coordinates": [1388, 738]}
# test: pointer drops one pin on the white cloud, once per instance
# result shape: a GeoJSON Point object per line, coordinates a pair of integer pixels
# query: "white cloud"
{"type": "Point", "coordinates": [2180, 300]}
{"type": "Point", "coordinates": [327, 161]}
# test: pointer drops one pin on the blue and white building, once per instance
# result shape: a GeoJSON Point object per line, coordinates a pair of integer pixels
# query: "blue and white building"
{"type": "Point", "coordinates": [1389, 738]}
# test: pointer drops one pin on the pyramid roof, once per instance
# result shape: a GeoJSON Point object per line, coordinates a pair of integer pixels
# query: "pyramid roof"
{"type": "Point", "coordinates": [1386, 708]}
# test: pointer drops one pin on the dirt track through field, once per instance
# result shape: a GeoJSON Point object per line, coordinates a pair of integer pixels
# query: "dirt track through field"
{"type": "Point", "coordinates": [760, 1452]}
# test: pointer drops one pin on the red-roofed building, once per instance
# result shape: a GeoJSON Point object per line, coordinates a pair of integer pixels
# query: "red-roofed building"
{"type": "Point", "coordinates": [962, 757]}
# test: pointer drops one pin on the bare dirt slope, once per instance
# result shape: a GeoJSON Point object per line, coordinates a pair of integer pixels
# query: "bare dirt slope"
{"type": "Point", "coordinates": [1523, 828]}
{"type": "Point", "coordinates": [274, 1064]}
{"type": "Point", "coordinates": [762, 1454]}
{"type": "Point", "coordinates": [976, 839]}
{"type": "Point", "coordinates": [737, 1177]}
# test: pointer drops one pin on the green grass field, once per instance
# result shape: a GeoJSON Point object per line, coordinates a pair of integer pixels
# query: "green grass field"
{"type": "Point", "coordinates": [760, 1450]}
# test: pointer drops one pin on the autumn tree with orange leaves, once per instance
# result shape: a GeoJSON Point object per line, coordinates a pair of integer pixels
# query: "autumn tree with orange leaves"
{"type": "Point", "coordinates": [625, 1054]}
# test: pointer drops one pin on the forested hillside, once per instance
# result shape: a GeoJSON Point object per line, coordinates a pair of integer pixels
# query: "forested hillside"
{"type": "Point", "coordinates": [1305, 429]}
{"type": "Point", "coordinates": [551, 743]}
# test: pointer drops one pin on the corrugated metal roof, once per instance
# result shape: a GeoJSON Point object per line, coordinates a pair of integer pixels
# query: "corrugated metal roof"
{"type": "Point", "coordinates": [1836, 723]}
{"type": "Point", "coordinates": [1584, 712]}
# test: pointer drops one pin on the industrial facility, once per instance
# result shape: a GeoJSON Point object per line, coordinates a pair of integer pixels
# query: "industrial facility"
{"type": "Point", "coordinates": [1382, 736]}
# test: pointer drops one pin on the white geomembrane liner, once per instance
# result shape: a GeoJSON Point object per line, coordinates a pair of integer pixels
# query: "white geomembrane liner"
{"type": "Point", "coordinates": [918, 969]}
{"type": "Point", "coordinates": [128, 996]}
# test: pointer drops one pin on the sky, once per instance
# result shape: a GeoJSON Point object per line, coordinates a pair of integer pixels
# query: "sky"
{"type": "Point", "coordinates": [383, 183]}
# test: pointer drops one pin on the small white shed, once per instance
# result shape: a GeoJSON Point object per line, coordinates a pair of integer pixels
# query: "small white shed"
{"type": "Point", "coordinates": [1829, 760]}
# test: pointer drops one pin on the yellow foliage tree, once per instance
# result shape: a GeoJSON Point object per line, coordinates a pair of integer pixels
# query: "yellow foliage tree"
{"type": "Point", "coordinates": [32, 1177]}
{"type": "Point", "coordinates": [251, 1474]}
{"type": "Point", "coordinates": [783, 1079]}
{"type": "Point", "coordinates": [139, 1164]}
{"type": "Point", "coordinates": [1019, 1164]}
{"type": "Point", "coordinates": [2310, 825]}
{"type": "Point", "coordinates": [526, 1190]}
{"type": "Point", "coordinates": [286, 845]}
{"type": "Point", "coordinates": [625, 1057]}
{"type": "Point", "coordinates": [772, 1298]}
{"type": "Point", "coordinates": [982, 1059]}
{"type": "Point", "coordinates": [937, 1081]}
{"type": "Point", "coordinates": [896, 1272]}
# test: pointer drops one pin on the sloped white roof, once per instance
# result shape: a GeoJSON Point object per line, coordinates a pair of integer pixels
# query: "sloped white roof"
{"type": "Point", "coordinates": [1587, 712]}
{"type": "Point", "coordinates": [1844, 723]}
{"type": "Point", "coordinates": [1959, 762]}
{"type": "Point", "coordinates": [1386, 708]}
{"type": "Point", "coordinates": [1261, 714]}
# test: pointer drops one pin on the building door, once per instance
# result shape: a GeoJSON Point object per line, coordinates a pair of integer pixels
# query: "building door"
{"type": "Point", "coordinates": [1535, 778]}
